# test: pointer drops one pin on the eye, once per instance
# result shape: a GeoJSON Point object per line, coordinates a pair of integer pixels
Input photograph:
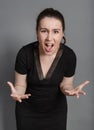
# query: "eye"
{"type": "Point", "coordinates": [43, 30]}
{"type": "Point", "coordinates": [56, 32]}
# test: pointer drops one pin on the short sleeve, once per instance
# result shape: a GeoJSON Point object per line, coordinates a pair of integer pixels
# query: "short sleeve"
{"type": "Point", "coordinates": [21, 62]}
{"type": "Point", "coordinates": [70, 64]}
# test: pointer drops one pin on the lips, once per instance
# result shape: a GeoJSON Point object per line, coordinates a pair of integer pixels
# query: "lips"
{"type": "Point", "coordinates": [49, 47]}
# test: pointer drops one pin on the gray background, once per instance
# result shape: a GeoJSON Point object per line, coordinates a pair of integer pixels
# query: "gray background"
{"type": "Point", "coordinates": [17, 28]}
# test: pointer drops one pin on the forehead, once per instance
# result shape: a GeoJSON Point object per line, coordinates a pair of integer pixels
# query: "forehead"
{"type": "Point", "coordinates": [50, 22]}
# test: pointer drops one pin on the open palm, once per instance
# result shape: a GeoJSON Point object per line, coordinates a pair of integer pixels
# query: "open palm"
{"type": "Point", "coordinates": [77, 90]}
{"type": "Point", "coordinates": [15, 95]}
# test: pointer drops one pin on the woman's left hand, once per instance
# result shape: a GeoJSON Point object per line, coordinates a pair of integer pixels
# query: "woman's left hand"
{"type": "Point", "coordinates": [77, 90]}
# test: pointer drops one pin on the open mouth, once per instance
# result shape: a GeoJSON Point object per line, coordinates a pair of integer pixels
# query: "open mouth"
{"type": "Point", "coordinates": [49, 47]}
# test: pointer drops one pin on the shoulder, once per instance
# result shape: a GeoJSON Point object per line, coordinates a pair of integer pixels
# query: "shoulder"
{"type": "Point", "coordinates": [68, 52]}
{"type": "Point", "coordinates": [67, 49]}
{"type": "Point", "coordinates": [30, 46]}
{"type": "Point", "coordinates": [69, 59]}
{"type": "Point", "coordinates": [28, 49]}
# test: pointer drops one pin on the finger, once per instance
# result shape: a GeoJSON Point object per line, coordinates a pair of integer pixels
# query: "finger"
{"type": "Point", "coordinates": [19, 100]}
{"type": "Point", "coordinates": [11, 86]}
{"type": "Point", "coordinates": [77, 95]}
{"type": "Point", "coordinates": [82, 92]}
{"type": "Point", "coordinates": [70, 93]}
{"type": "Point", "coordinates": [84, 84]}
{"type": "Point", "coordinates": [20, 97]}
{"type": "Point", "coordinates": [16, 97]}
{"type": "Point", "coordinates": [26, 96]}
{"type": "Point", "coordinates": [67, 92]}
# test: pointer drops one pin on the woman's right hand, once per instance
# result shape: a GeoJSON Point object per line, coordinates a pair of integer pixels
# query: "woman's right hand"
{"type": "Point", "coordinates": [15, 95]}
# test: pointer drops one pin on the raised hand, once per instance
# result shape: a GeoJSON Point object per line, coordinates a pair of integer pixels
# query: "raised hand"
{"type": "Point", "coordinates": [15, 95]}
{"type": "Point", "coordinates": [77, 91]}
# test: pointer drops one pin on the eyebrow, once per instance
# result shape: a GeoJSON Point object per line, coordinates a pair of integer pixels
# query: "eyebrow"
{"type": "Point", "coordinates": [52, 29]}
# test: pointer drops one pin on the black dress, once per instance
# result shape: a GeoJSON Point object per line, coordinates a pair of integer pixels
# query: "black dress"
{"type": "Point", "coordinates": [46, 109]}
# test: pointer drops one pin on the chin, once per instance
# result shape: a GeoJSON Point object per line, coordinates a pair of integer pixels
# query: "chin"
{"type": "Point", "coordinates": [50, 53]}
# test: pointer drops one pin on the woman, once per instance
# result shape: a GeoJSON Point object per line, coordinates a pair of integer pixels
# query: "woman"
{"type": "Point", "coordinates": [44, 74]}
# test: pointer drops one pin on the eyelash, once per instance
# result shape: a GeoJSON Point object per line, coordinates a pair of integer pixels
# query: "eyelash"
{"type": "Point", "coordinates": [44, 31]}
{"type": "Point", "coordinates": [56, 32]}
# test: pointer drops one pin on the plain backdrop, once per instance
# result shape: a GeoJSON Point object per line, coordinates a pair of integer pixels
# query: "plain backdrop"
{"type": "Point", "coordinates": [17, 28]}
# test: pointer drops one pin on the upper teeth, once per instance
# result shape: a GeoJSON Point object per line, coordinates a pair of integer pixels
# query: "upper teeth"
{"type": "Point", "coordinates": [49, 44]}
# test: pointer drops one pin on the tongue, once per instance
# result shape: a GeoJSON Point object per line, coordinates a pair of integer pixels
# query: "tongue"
{"type": "Point", "coordinates": [48, 48]}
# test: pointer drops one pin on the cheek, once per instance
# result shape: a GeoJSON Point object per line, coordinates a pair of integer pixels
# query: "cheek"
{"type": "Point", "coordinates": [59, 39]}
{"type": "Point", "coordinates": [40, 37]}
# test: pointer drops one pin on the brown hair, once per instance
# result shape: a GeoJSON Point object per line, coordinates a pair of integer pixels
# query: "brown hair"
{"type": "Point", "coordinates": [50, 12]}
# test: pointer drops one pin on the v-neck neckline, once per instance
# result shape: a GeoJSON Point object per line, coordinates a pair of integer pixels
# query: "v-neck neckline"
{"type": "Point", "coordinates": [52, 67]}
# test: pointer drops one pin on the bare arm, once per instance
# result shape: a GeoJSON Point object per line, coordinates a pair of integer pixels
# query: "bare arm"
{"type": "Point", "coordinates": [67, 88]}
{"type": "Point", "coordinates": [20, 83]}
{"type": "Point", "coordinates": [67, 84]}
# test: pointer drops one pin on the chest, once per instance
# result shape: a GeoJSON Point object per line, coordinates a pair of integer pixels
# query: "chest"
{"type": "Point", "coordinates": [47, 70]}
{"type": "Point", "coordinates": [46, 64]}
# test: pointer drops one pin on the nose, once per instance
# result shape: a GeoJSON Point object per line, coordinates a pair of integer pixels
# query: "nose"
{"type": "Point", "coordinates": [49, 36]}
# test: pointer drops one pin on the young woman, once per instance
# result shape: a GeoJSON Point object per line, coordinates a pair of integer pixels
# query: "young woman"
{"type": "Point", "coordinates": [44, 74]}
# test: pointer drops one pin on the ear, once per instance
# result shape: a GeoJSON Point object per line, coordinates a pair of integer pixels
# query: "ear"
{"type": "Point", "coordinates": [63, 34]}
{"type": "Point", "coordinates": [64, 40]}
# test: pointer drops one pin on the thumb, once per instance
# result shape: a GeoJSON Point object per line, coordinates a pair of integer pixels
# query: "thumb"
{"type": "Point", "coordinates": [84, 84]}
{"type": "Point", "coordinates": [10, 84]}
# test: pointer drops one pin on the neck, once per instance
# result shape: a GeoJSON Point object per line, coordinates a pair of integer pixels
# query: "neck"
{"type": "Point", "coordinates": [43, 54]}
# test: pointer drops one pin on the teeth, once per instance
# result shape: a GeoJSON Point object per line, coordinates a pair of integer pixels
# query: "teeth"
{"type": "Point", "coordinates": [48, 45]}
